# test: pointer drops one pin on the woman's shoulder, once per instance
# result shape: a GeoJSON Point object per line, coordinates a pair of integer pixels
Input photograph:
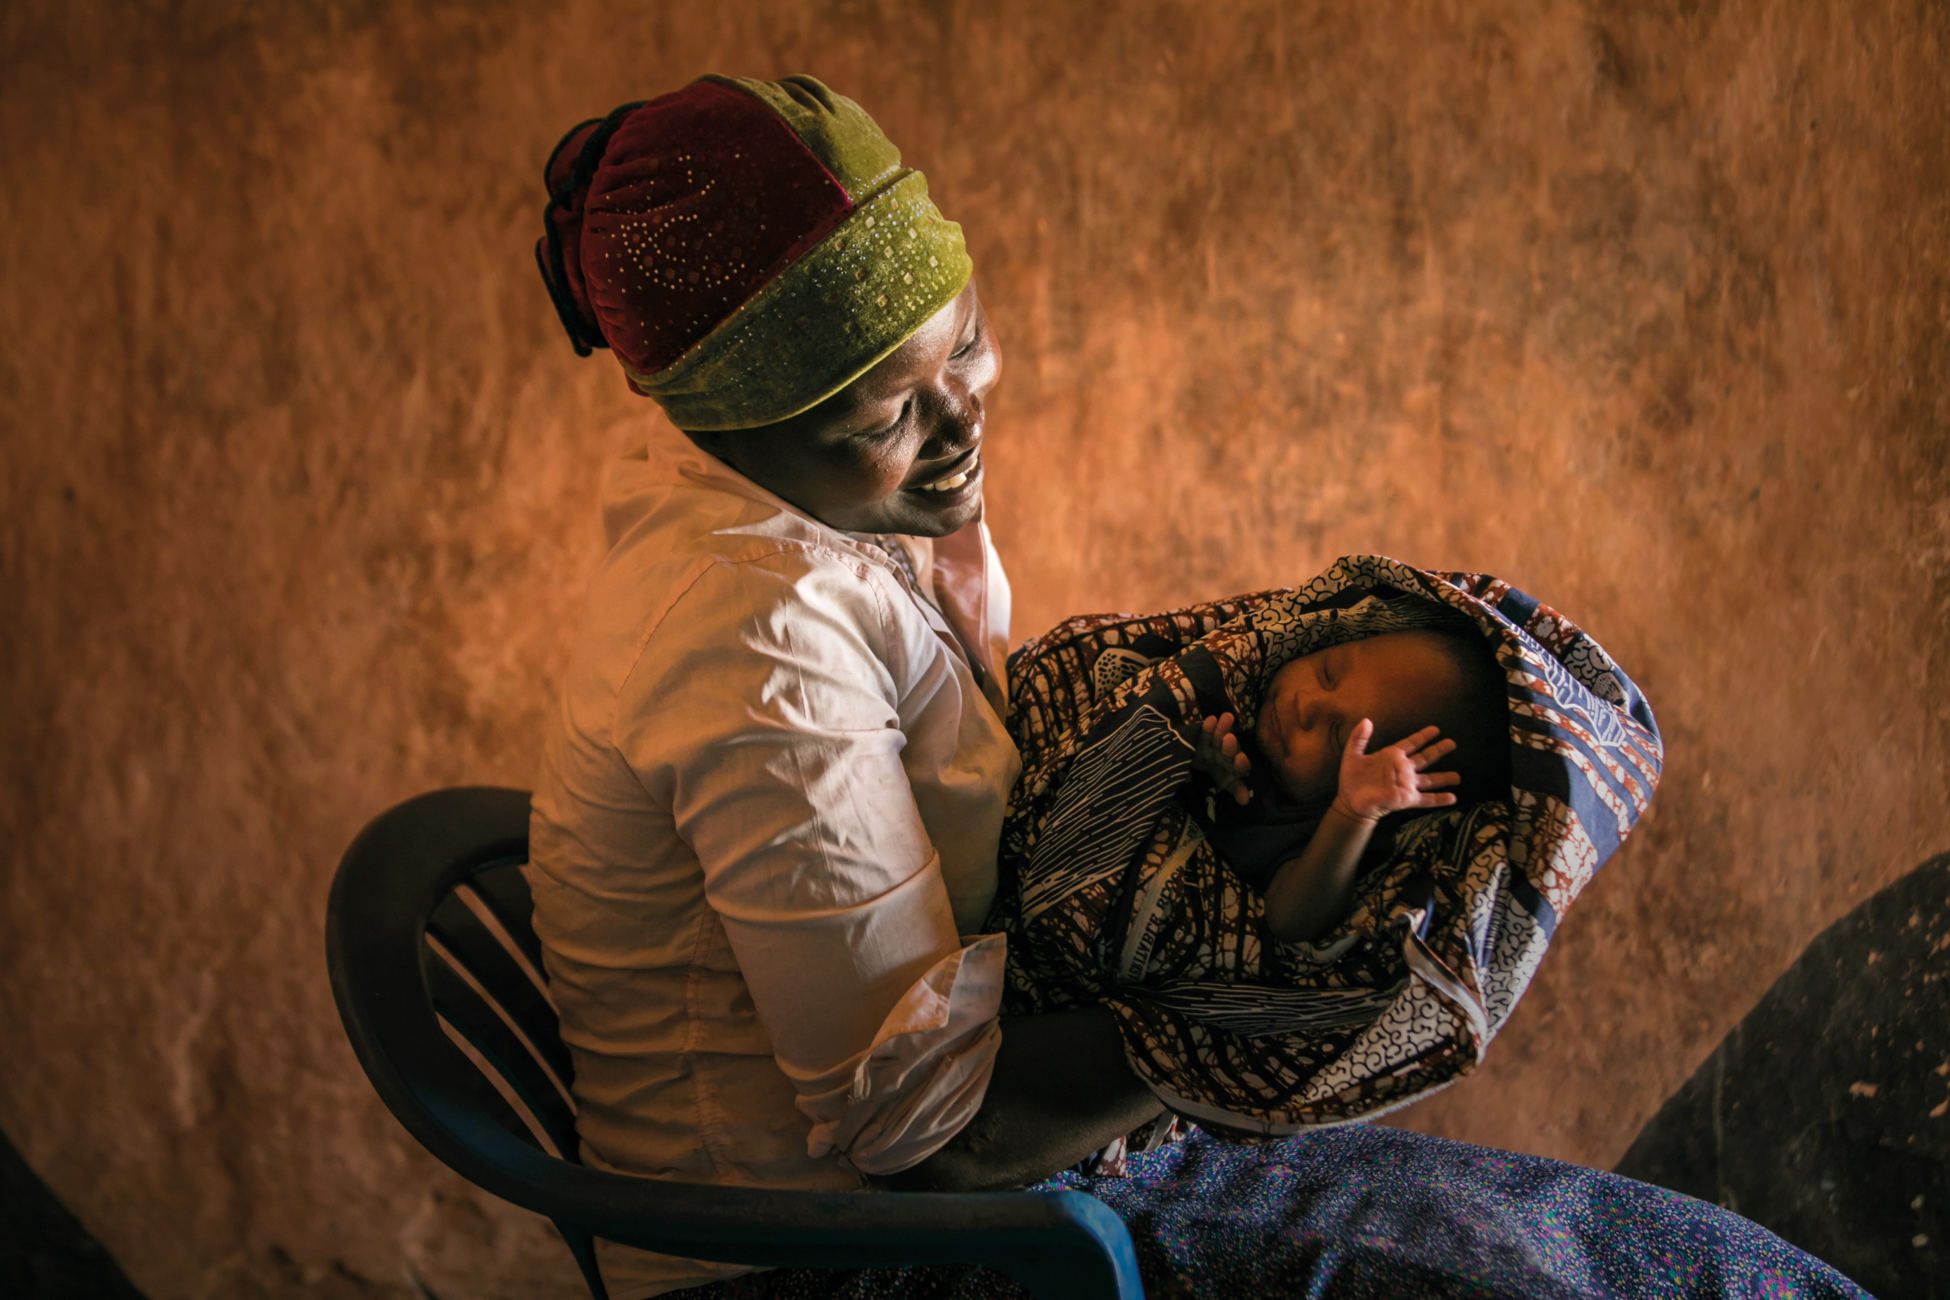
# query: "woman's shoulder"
{"type": "Point", "coordinates": [691, 609]}
{"type": "Point", "coordinates": [703, 563]}
{"type": "Point", "coordinates": [771, 557]}
{"type": "Point", "coordinates": [691, 575]}
{"type": "Point", "coordinates": [763, 579]}
{"type": "Point", "coordinates": [676, 518]}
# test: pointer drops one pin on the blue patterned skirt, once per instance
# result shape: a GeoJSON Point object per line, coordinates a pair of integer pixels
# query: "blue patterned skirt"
{"type": "Point", "coordinates": [1373, 1213]}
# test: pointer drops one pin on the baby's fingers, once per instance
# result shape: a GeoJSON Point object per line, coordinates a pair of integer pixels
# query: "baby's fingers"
{"type": "Point", "coordinates": [1220, 758]}
{"type": "Point", "coordinates": [1423, 757]}
{"type": "Point", "coordinates": [1415, 740]}
{"type": "Point", "coordinates": [1235, 780]}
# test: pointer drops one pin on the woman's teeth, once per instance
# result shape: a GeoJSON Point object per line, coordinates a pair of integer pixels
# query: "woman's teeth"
{"type": "Point", "coordinates": [948, 484]}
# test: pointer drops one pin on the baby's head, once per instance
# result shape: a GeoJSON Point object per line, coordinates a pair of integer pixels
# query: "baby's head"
{"type": "Point", "coordinates": [1404, 681]}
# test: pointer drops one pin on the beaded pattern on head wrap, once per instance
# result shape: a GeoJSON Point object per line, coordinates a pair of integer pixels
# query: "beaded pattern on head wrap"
{"type": "Point", "coordinates": [747, 248]}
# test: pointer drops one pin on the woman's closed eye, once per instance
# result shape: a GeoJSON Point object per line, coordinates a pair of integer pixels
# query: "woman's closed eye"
{"type": "Point", "coordinates": [969, 346]}
{"type": "Point", "coordinates": [886, 431]}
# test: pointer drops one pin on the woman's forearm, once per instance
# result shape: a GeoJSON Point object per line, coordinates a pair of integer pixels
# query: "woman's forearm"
{"type": "Point", "coordinates": [1061, 1090]}
{"type": "Point", "coordinates": [1310, 892]}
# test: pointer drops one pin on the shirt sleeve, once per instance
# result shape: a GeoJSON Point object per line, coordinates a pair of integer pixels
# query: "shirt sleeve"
{"type": "Point", "coordinates": [765, 711]}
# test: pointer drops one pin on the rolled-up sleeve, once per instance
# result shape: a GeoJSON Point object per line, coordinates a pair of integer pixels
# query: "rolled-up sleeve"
{"type": "Point", "coordinates": [766, 709]}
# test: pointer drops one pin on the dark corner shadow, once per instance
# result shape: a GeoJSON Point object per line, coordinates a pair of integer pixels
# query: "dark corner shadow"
{"type": "Point", "coordinates": [1825, 1114]}
{"type": "Point", "coordinates": [45, 1253]}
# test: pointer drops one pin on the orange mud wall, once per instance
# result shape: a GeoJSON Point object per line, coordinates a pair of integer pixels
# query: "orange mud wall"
{"type": "Point", "coordinates": [1644, 311]}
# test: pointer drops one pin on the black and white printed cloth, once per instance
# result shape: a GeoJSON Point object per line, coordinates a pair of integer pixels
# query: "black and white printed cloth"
{"type": "Point", "coordinates": [1112, 892]}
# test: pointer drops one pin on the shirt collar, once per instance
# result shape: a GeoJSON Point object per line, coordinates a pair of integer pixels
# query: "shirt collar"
{"type": "Point", "coordinates": [667, 459]}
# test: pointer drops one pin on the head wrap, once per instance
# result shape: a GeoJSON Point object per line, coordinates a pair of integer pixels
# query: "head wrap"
{"type": "Point", "coordinates": [746, 248]}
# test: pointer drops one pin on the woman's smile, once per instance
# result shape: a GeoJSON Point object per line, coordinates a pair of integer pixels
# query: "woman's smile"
{"type": "Point", "coordinates": [964, 478]}
{"type": "Point", "coordinates": [899, 450]}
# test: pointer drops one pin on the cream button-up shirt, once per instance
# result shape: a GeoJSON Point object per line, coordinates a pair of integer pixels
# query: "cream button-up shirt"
{"type": "Point", "coordinates": [763, 834]}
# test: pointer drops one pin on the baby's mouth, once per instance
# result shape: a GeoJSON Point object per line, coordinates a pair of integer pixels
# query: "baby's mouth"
{"type": "Point", "coordinates": [1278, 719]}
{"type": "Point", "coordinates": [1267, 736]}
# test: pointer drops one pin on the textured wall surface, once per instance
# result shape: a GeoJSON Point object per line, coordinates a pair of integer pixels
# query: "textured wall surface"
{"type": "Point", "coordinates": [1641, 306]}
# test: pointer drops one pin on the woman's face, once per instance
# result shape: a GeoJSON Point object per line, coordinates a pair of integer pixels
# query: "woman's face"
{"type": "Point", "coordinates": [899, 450]}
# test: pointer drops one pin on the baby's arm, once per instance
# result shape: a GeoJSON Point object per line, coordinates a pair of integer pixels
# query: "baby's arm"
{"type": "Point", "coordinates": [1310, 892]}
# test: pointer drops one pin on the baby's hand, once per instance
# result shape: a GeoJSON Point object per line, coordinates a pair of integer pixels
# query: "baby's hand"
{"type": "Point", "coordinates": [1392, 779]}
{"type": "Point", "coordinates": [1217, 756]}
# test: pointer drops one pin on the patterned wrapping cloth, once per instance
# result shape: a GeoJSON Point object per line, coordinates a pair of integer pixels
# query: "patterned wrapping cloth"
{"type": "Point", "coordinates": [1112, 893]}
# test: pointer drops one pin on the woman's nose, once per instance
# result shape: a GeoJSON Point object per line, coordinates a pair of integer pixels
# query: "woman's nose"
{"type": "Point", "coordinates": [958, 423]}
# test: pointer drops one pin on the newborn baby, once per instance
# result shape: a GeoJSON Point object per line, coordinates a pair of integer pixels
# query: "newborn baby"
{"type": "Point", "coordinates": [1325, 905]}
{"type": "Point", "coordinates": [1352, 734]}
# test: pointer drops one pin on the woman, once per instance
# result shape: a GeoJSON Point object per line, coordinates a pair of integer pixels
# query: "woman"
{"type": "Point", "coordinates": [764, 834]}
{"type": "Point", "coordinates": [771, 797]}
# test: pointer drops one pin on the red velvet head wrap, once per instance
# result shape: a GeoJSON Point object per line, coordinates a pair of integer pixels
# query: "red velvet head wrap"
{"type": "Point", "coordinates": [745, 248]}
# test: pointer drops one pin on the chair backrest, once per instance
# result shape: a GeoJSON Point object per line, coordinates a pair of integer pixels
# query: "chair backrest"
{"type": "Point", "coordinates": [483, 968]}
{"type": "Point", "coordinates": [429, 940]}
{"type": "Point", "coordinates": [439, 982]}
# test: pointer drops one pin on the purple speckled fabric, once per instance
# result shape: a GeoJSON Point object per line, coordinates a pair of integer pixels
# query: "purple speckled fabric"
{"type": "Point", "coordinates": [1373, 1213]}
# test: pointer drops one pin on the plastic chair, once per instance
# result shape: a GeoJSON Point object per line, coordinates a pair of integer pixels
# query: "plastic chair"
{"type": "Point", "coordinates": [438, 978]}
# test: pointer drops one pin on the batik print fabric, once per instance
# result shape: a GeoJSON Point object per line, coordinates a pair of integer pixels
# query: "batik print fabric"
{"type": "Point", "coordinates": [1111, 892]}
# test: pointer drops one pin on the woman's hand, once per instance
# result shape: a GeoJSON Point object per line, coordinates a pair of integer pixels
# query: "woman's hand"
{"type": "Point", "coordinates": [1062, 1090]}
{"type": "Point", "coordinates": [1217, 756]}
{"type": "Point", "coordinates": [1392, 778]}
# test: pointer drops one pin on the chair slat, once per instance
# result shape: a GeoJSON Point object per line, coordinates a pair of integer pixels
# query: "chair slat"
{"type": "Point", "coordinates": [517, 1105]}
{"type": "Point", "coordinates": [462, 1001]}
{"type": "Point", "coordinates": [503, 930]}
{"type": "Point", "coordinates": [485, 951]}
{"type": "Point", "coordinates": [488, 999]}
{"type": "Point", "coordinates": [505, 891]}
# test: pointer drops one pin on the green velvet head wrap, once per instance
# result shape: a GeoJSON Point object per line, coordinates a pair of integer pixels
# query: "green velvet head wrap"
{"type": "Point", "coordinates": [747, 248]}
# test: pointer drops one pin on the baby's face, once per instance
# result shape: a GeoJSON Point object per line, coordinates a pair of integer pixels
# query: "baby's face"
{"type": "Point", "coordinates": [1402, 680]}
